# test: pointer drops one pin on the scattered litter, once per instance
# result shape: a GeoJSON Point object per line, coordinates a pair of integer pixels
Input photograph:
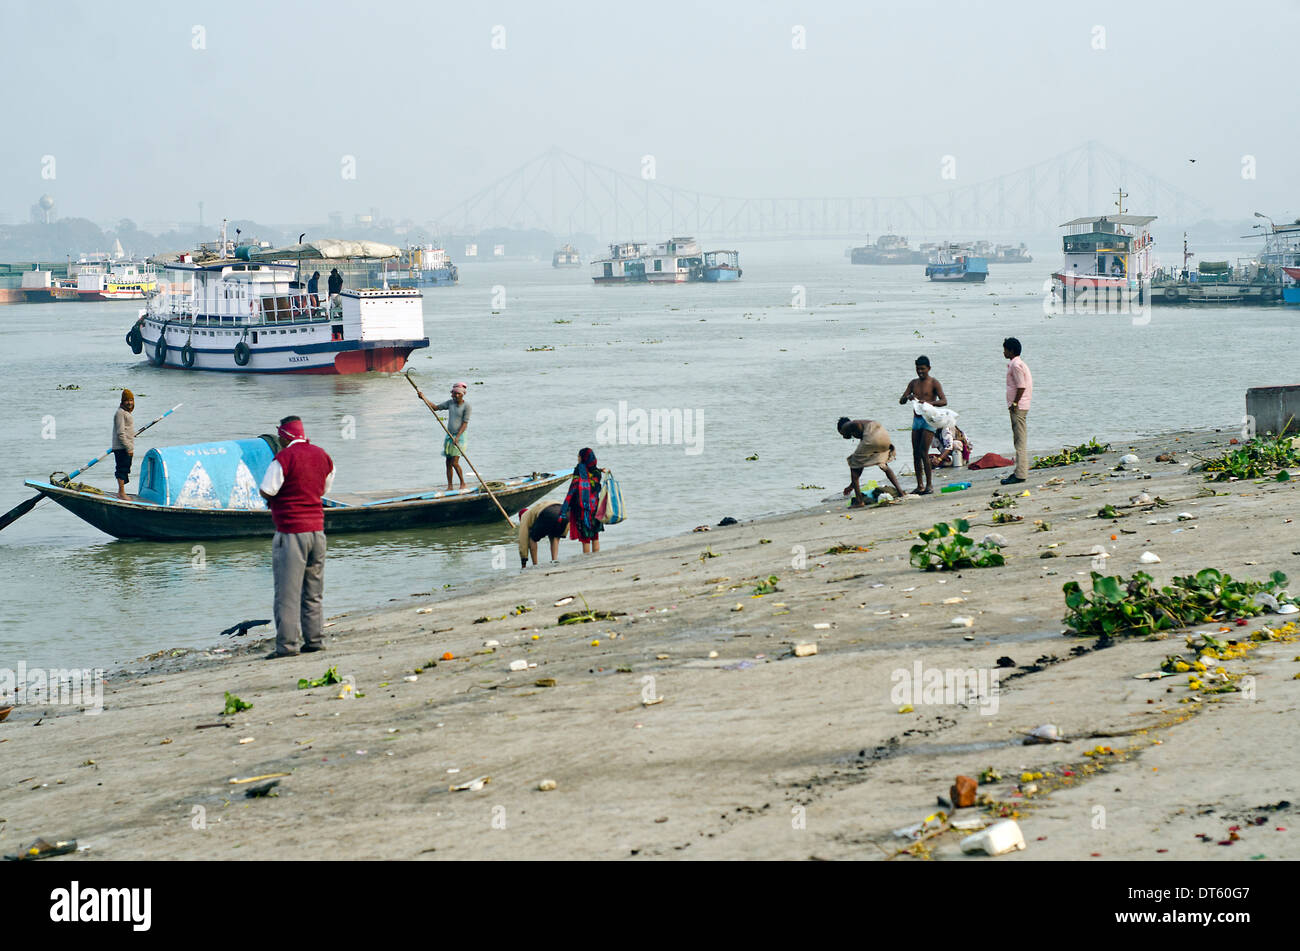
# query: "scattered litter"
{"type": "Point", "coordinates": [997, 839]}
{"type": "Point", "coordinates": [563, 601]}
{"type": "Point", "coordinates": [1288, 609]}
{"type": "Point", "coordinates": [805, 650]}
{"type": "Point", "coordinates": [1185, 516]}
{"type": "Point", "coordinates": [491, 643]}
{"type": "Point", "coordinates": [545, 682]}
{"type": "Point", "coordinates": [424, 610]}
{"type": "Point", "coordinates": [254, 779]}
{"type": "Point", "coordinates": [1149, 558]}
{"type": "Point", "coordinates": [411, 678]}
{"type": "Point", "coordinates": [546, 785]}
{"type": "Point", "coordinates": [1047, 733]}
{"type": "Point", "coordinates": [519, 664]}
{"type": "Point", "coordinates": [821, 627]}
{"type": "Point", "coordinates": [962, 622]}
{"type": "Point", "coordinates": [928, 824]}
{"type": "Point", "coordinates": [1129, 460]}
{"type": "Point", "coordinates": [953, 600]}
{"type": "Point", "coordinates": [245, 740]}
{"type": "Point", "coordinates": [259, 792]}
{"type": "Point", "coordinates": [712, 655]}
{"type": "Point", "coordinates": [42, 849]}
{"type": "Point", "coordinates": [995, 539]}
{"type": "Point", "coordinates": [968, 825]}
{"type": "Point", "coordinates": [652, 702]}
{"type": "Point", "coordinates": [472, 785]}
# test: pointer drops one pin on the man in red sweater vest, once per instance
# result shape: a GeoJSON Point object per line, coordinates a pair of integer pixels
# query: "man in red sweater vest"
{"type": "Point", "coordinates": [293, 485]}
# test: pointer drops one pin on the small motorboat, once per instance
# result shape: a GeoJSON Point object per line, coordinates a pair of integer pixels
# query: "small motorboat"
{"type": "Point", "coordinates": [209, 491]}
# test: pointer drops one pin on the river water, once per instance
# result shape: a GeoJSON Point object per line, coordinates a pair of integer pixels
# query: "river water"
{"type": "Point", "coordinates": [758, 375]}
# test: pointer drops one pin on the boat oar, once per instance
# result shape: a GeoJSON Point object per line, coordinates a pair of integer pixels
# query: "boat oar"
{"type": "Point", "coordinates": [22, 508]}
{"type": "Point", "coordinates": [407, 374]}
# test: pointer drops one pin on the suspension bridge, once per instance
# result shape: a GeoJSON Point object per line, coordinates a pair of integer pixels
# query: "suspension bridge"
{"type": "Point", "coordinates": [564, 194]}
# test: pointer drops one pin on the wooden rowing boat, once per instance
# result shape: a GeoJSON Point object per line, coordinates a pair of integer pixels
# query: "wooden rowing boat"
{"type": "Point", "coordinates": [137, 518]}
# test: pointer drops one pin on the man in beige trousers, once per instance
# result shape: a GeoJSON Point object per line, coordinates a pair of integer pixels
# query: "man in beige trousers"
{"type": "Point", "coordinates": [1020, 387]}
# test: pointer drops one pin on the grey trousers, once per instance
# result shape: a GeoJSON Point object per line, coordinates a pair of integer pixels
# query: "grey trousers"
{"type": "Point", "coordinates": [298, 563]}
{"type": "Point", "coordinates": [1020, 438]}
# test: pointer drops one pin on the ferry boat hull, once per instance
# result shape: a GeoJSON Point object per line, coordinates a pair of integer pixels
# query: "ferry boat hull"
{"type": "Point", "coordinates": [963, 271]}
{"type": "Point", "coordinates": [719, 275]}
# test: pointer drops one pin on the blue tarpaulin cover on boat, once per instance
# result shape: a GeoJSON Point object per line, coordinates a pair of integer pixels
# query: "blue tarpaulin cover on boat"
{"type": "Point", "coordinates": [210, 475]}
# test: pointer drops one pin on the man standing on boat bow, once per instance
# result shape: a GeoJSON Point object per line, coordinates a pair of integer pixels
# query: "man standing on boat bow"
{"type": "Point", "coordinates": [293, 485]}
{"type": "Point", "coordinates": [458, 411]}
{"type": "Point", "coordinates": [123, 441]}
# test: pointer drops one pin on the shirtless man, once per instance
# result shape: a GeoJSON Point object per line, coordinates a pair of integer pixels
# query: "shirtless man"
{"type": "Point", "coordinates": [924, 389]}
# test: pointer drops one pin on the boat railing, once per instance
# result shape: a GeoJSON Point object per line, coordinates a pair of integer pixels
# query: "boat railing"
{"type": "Point", "coordinates": [295, 308]}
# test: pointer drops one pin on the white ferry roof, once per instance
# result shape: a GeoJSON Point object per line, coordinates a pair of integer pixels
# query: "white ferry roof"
{"type": "Point", "coordinates": [327, 249]}
{"type": "Point", "coordinates": [1136, 221]}
{"type": "Point", "coordinates": [237, 266]}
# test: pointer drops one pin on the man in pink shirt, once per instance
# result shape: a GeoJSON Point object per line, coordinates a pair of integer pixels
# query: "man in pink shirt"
{"type": "Point", "coordinates": [1020, 387]}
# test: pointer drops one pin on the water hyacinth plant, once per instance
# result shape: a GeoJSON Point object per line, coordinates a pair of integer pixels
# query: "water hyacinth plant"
{"type": "Point", "coordinates": [947, 548]}
{"type": "Point", "coordinates": [1071, 454]}
{"type": "Point", "coordinates": [1135, 606]}
{"type": "Point", "coordinates": [1254, 460]}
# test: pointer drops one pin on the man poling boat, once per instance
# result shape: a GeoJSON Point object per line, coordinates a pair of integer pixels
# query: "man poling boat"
{"type": "Point", "coordinates": [407, 374]}
{"type": "Point", "coordinates": [18, 511]}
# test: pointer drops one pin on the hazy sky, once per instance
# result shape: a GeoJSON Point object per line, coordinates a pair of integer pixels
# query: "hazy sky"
{"type": "Point", "coordinates": [256, 122]}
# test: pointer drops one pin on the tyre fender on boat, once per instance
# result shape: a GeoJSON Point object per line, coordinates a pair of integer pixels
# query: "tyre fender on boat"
{"type": "Point", "coordinates": [187, 356]}
{"type": "Point", "coordinates": [242, 354]}
{"type": "Point", "coordinates": [160, 349]}
{"type": "Point", "coordinates": [135, 339]}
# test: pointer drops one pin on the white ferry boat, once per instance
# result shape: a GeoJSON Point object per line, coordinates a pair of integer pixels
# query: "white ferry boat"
{"type": "Point", "coordinates": [624, 264]}
{"type": "Point", "coordinates": [675, 261]}
{"type": "Point", "coordinates": [252, 313]}
{"type": "Point", "coordinates": [1107, 258]}
{"type": "Point", "coordinates": [96, 281]}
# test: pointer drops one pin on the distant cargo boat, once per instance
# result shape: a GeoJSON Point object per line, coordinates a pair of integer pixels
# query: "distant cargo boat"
{"type": "Point", "coordinates": [252, 313]}
{"type": "Point", "coordinates": [421, 265]}
{"type": "Point", "coordinates": [1106, 259]}
{"type": "Point", "coordinates": [1263, 281]}
{"type": "Point", "coordinates": [888, 249]}
{"type": "Point", "coordinates": [958, 265]}
{"type": "Point", "coordinates": [566, 256]}
{"type": "Point", "coordinates": [675, 261]}
{"type": "Point", "coordinates": [1006, 254]}
{"type": "Point", "coordinates": [721, 266]}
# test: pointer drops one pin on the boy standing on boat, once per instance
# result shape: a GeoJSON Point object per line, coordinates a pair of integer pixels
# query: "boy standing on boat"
{"type": "Point", "coordinates": [457, 422]}
{"type": "Point", "coordinates": [123, 441]}
{"type": "Point", "coordinates": [293, 485]}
